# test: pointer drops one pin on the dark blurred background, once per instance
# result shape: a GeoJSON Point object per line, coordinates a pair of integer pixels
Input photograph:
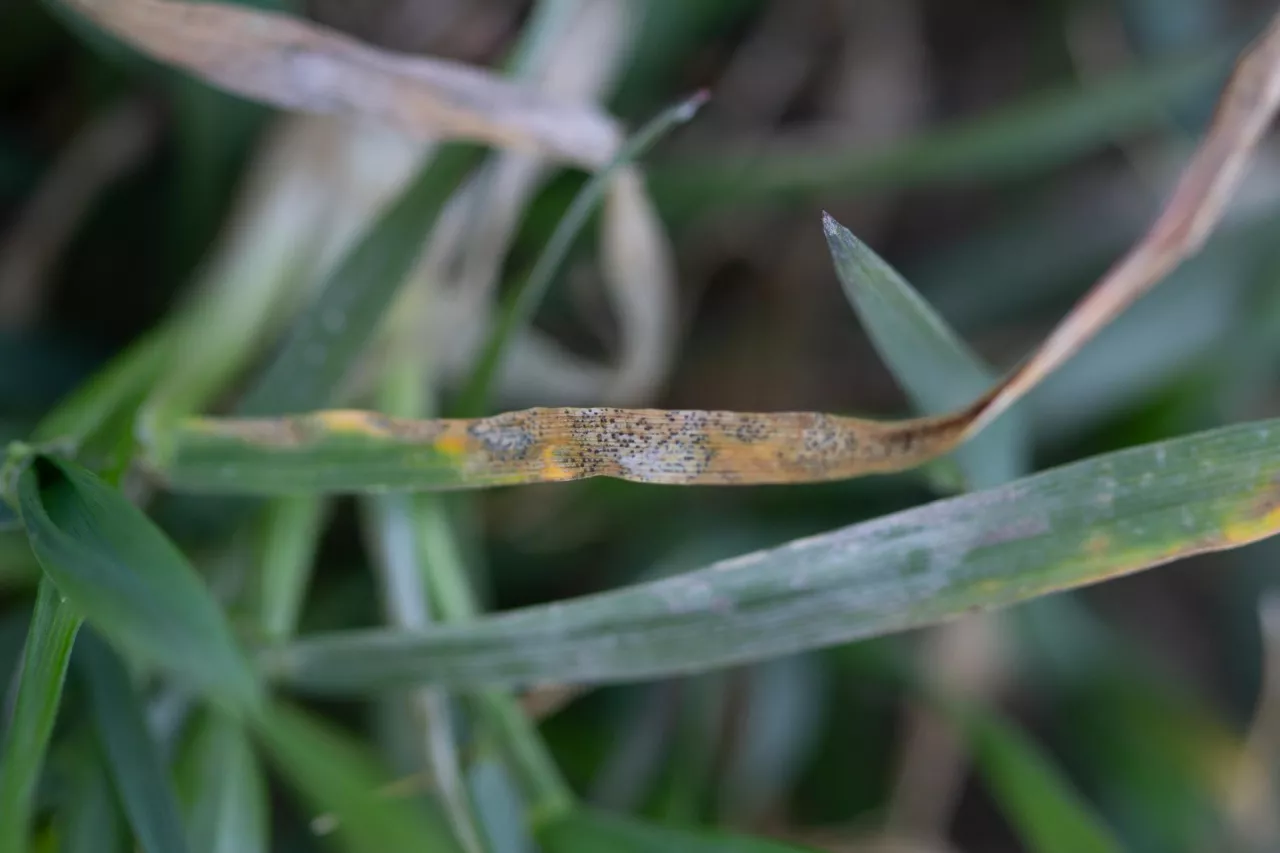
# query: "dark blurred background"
{"type": "Point", "coordinates": [1000, 154]}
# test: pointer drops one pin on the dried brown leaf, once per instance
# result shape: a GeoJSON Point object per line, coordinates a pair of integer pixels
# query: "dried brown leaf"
{"type": "Point", "coordinates": [296, 65]}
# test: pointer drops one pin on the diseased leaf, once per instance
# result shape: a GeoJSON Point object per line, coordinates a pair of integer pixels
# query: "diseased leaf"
{"type": "Point", "coordinates": [107, 558]}
{"type": "Point", "coordinates": [1064, 528]}
{"type": "Point", "coordinates": [133, 759]}
{"type": "Point", "coordinates": [720, 448]}
{"type": "Point", "coordinates": [50, 637]}
{"type": "Point", "coordinates": [294, 64]}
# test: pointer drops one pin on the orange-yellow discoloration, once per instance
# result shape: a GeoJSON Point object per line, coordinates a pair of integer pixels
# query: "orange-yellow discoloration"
{"type": "Point", "coordinates": [551, 467]}
{"type": "Point", "coordinates": [350, 421]}
{"type": "Point", "coordinates": [1242, 531]}
{"type": "Point", "coordinates": [451, 445]}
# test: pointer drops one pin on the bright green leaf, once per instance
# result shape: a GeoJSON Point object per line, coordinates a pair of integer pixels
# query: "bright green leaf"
{"type": "Point", "coordinates": [106, 557]}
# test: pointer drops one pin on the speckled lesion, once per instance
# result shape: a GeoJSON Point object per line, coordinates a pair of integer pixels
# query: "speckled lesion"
{"type": "Point", "coordinates": [505, 438]}
{"type": "Point", "coordinates": [678, 447]}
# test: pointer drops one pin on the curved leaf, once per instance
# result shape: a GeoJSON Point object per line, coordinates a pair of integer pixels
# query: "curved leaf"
{"type": "Point", "coordinates": [1064, 528]}
{"type": "Point", "coordinates": [107, 558]}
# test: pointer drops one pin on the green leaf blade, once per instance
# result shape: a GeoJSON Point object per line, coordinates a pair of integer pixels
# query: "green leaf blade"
{"type": "Point", "coordinates": [50, 638]}
{"type": "Point", "coordinates": [1047, 813]}
{"type": "Point", "coordinates": [334, 330]}
{"type": "Point", "coordinates": [229, 807]}
{"type": "Point", "coordinates": [140, 775]}
{"type": "Point", "coordinates": [936, 369]}
{"type": "Point", "coordinates": [128, 580]}
{"type": "Point", "coordinates": [335, 776]}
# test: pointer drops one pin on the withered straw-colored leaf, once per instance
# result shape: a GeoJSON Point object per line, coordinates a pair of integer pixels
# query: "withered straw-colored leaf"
{"type": "Point", "coordinates": [352, 451]}
{"type": "Point", "coordinates": [296, 65]}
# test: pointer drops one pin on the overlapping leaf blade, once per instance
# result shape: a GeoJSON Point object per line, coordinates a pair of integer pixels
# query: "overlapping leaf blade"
{"type": "Point", "coordinates": [1068, 527]}
{"type": "Point", "coordinates": [936, 369]}
{"type": "Point", "coordinates": [135, 763]}
{"type": "Point", "coordinates": [334, 776]}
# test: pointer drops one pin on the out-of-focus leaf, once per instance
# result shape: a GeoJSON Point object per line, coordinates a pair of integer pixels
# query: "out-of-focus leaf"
{"type": "Point", "coordinates": [520, 310]}
{"type": "Point", "coordinates": [1021, 139]}
{"type": "Point", "coordinates": [1068, 527]}
{"type": "Point", "coordinates": [227, 809]}
{"type": "Point", "coordinates": [292, 63]}
{"type": "Point", "coordinates": [290, 539]}
{"type": "Point", "coordinates": [584, 831]}
{"type": "Point", "coordinates": [785, 704]}
{"type": "Point", "coordinates": [335, 776]}
{"type": "Point", "coordinates": [500, 807]}
{"type": "Point", "coordinates": [333, 331]}
{"type": "Point", "coordinates": [1049, 816]}
{"type": "Point", "coordinates": [50, 637]}
{"type": "Point", "coordinates": [140, 775]}
{"type": "Point", "coordinates": [91, 819]}
{"type": "Point", "coordinates": [105, 556]}
{"type": "Point", "coordinates": [936, 369]}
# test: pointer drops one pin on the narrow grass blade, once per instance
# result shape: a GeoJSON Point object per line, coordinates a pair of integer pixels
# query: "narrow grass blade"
{"type": "Point", "coordinates": [106, 557]}
{"type": "Point", "coordinates": [520, 310]}
{"type": "Point", "coordinates": [1064, 528]}
{"type": "Point", "coordinates": [1047, 813]}
{"type": "Point", "coordinates": [291, 531]}
{"type": "Point", "coordinates": [140, 775]}
{"type": "Point", "coordinates": [333, 331]}
{"type": "Point", "coordinates": [335, 776]}
{"type": "Point", "coordinates": [935, 368]}
{"type": "Point", "coordinates": [586, 831]}
{"type": "Point", "coordinates": [1004, 144]}
{"type": "Point", "coordinates": [50, 637]}
{"type": "Point", "coordinates": [228, 810]}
